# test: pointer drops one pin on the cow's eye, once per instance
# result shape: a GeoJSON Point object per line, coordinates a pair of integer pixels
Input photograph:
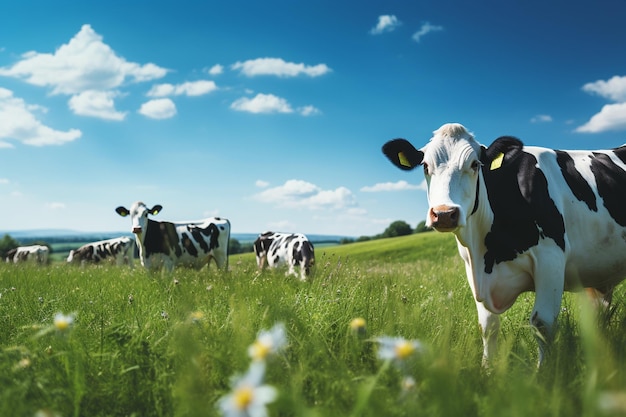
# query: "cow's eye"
{"type": "Point", "coordinates": [475, 166]}
{"type": "Point", "coordinates": [425, 168]}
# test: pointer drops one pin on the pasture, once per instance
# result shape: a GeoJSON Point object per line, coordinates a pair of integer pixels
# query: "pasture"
{"type": "Point", "coordinates": [152, 344]}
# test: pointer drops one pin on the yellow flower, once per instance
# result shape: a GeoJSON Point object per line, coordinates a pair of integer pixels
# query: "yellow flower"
{"type": "Point", "coordinates": [358, 325]}
{"type": "Point", "coordinates": [196, 316]}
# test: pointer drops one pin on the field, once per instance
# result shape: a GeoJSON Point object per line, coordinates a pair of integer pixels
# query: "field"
{"type": "Point", "coordinates": [134, 343]}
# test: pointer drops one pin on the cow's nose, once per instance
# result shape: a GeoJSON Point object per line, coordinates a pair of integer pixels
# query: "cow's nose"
{"type": "Point", "coordinates": [444, 218]}
{"type": "Point", "coordinates": [136, 230]}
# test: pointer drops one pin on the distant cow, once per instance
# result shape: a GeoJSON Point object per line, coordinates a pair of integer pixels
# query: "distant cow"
{"type": "Point", "coordinates": [170, 244]}
{"type": "Point", "coordinates": [35, 253]}
{"type": "Point", "coordinates": [118, 250]}
{"type": "Point", "coordinates": [292, 249]}
{"type": "Point", "coordinates": [525, 219]}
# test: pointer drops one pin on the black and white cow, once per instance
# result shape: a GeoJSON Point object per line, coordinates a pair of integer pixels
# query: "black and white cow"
{"type": "Point", "coordinates": [37, 254]}
{"type": "Point", "coordinates": [291, 249]}
{"type": "Point", "coordinates": [170, 244]}
{"type": "Point", "coordinates": [525, 219]}
{"type": "Point", "coordinates": [118, 250]}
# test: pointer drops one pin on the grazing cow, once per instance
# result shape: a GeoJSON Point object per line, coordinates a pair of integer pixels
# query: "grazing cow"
{"type": "Point", "coordinates": [292, 249]}
{"type": "Point", "coordinates": [170, 244]}
{"type": "Point", "coordinates": [119, 250]}
{"type": "Point", "coordinates": [525, 219]}
{"type": "Point", "coordinates": [35, 253]}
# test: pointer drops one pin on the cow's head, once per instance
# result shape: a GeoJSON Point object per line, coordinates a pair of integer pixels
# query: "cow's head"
{"type": "Point", "coordinates": [138, 215]}
{"type": "Point", "coordinates": [451, 162]}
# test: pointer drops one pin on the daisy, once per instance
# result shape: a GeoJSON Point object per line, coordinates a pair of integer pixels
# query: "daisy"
{"type": "Point", "coordinates": [268, 342]}
{"type": "Point", "coordinates": [62, 322]}
{"type": "Point", "coordinates": [248, 397]}
{"type": "Point", "coordinates": [397, 349]}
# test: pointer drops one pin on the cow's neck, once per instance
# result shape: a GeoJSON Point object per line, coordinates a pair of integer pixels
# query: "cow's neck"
{"type": "Point", "coordinates": [471, 237]}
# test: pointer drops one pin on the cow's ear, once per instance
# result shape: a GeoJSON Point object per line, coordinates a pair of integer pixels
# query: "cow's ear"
{"type": "Point", "coordinates": [156, 209]}
{"type": "Point", "coordinates": [121, 210]}
{"type": "Point", "coordinates": [402, 154]}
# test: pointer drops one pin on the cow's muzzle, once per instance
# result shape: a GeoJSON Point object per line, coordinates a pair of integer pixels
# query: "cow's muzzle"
{"type": "Point", "coordinates": [137, 230]}
{"type": "Point", "coordinates": [444, 218]}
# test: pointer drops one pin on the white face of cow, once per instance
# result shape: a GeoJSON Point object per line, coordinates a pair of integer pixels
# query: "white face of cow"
{"type": "Point", "coordinates": [451, 168]}
{"type": "Point", "coordinates": [138, 215]}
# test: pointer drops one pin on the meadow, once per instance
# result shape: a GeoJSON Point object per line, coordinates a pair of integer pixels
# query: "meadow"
{"type": "Point", "coordinates": [138, 343]}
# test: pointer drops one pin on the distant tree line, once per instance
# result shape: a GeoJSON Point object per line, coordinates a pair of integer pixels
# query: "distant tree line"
{"type": "Point", "coordinates": [395, 229]}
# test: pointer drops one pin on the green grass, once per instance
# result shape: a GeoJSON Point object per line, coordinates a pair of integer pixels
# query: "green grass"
{"type": "Point", "coordinates": [134, 349]}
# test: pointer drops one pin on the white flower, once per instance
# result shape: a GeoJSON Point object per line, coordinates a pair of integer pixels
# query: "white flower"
{"type": "Point", "coordinates": [397, 349]}
{"type": "Point", "coordinates": [62, 322]}
{"type": "Point", "coordinates": [248, 397]}
{"type": "Point", "coordinates": [268, 342]}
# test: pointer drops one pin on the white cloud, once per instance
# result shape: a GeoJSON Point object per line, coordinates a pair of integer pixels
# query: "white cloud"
{"type": "Point", "coordinates": [386, 23]}
{"type": "Point", "coordinates": [161, 108]}
{"type": "Point", "coordinates": [216, 69]}
{"type": "Point", "coordinates": [19, 123]}
{"type": "Point", "coordinates": [261, 184]}
{"type": "Point", "coordinates": [303, 194]}
{"type": "Point", "coordinates": [393, 186]}
{"type": "Point", "coordinates": [96, 104]}
{"type": "Point", "coordinates": [278, 67]}
{"type": "Point", "coordinates": [611, 117]}
{"type": "Point", "coordinates": [308, 111]}
{"type": "Point", "coordinates": [613, 89]}
{"type": "Point", "coordinates": [55, 206]}
{"type": "Point", "coordinates": [262, 103]}
{"type": "Point", "coordinates": [424, 30]}
{"type": "Point", "coordinates": [193, 88]}
{"type": "Point", "coordinates": [4, 181]}
{"type": "Point", "coordinates": [84, 63]}
{"type": "Point", "coordinates": [541, 118]}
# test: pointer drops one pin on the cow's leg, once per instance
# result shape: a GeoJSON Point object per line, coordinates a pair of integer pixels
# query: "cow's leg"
{"type": "Point", "coordinates": [549, 278]}
{"type": "Point", "coordinates": [489, 326]}
{"type": "Point", "coordinates": [221, 260]}
{"type": "Point", "coordinates": [260, 261]}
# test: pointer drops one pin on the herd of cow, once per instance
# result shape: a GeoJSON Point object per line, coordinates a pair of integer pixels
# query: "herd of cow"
{"type": "Point", "coordinates": [164, 244]}
{"type": "Point", "coordinates": [525, 219]}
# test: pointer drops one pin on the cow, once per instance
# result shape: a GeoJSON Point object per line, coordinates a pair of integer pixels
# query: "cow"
{"type": "Point", "coordinates": [37, 254]}
{"type": "Point", "coordinates": [169, 244]}
{"type": "Point", "coordinates": [525, 219]}
{"type": "Point", "coordinates": [118, 250]}
{"type": "Point", "coordinates": [291, 249]}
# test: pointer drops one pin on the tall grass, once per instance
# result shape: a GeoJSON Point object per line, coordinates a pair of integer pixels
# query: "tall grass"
{"type": "Point", "coordinates": [152, 344]}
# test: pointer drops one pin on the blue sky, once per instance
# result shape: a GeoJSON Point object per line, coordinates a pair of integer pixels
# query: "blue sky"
{"type": "Point", "coordinates": [272, 114]}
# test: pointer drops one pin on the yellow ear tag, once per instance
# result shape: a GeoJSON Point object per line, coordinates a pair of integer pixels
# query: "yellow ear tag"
{"type": "Point", "coordinates": [403, 161]}
{"type": "Point", "coordinates": [497, 162]}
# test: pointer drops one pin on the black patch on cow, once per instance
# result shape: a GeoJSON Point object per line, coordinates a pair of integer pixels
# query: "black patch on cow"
{"type": "Point", "coordinates": [11, 254]}
{"type": "Point", "coordinates": [211, 231]}
{"type": "Point", "coordinates": [576, 182]}
{"type": "Point", "coordinates": [611, 183]}
{"type": "Point", "coordinates": [188, 245]}
{"type": "Point", "coordinates": [518, 195]}
{"type": "Point", "coordinates": [161, 237]}
{"type": "Point", "coordinates": [620, 153]}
